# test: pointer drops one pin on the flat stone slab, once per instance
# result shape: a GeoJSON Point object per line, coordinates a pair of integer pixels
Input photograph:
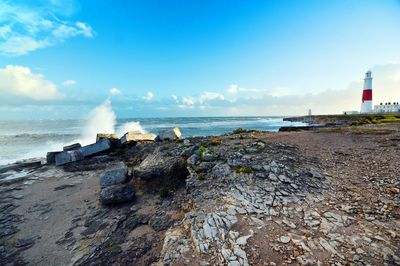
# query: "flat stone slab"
{"type": "Point", "coordinates": [135, 137]}
{"type": "Point", "coordinates": [97, 147]}
{"type": "Point", "coordinates": [68, 157]}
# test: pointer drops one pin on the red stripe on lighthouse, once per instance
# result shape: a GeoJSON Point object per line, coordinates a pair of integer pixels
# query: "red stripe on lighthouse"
{"type": "Point", "coordinates": [367, 95]}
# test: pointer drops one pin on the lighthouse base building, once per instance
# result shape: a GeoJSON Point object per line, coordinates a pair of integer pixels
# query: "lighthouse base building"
{"type": "Point", "coordinates": [387, 108]}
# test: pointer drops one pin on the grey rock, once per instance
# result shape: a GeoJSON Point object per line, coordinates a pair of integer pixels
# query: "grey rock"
{"type": "Point", "coordinates": [117, 194]}
{"type": "Point", "coordinates": [114, 176]}
{"type": "Point", "coordinates": [72, 147]}
{"type": "Point", "coordinates": [160, 165]}
{"type": "Point", "coordinates": [192, 160]}
{"type": "Point", "coordinates": [207, 157]}
{"type": "Point", "coordinates": [169, 134]}
{"type": "Point", "coordinates": [284, 239]}
{"type": "Point", "coordinates": [221, 170]}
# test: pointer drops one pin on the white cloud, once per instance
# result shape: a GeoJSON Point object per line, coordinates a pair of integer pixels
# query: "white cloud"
{"type": "Point", "coordinates": [233, 88]}
{"type": "Point", "coordinates": [176, 99]}
{"type": "Point", "coordinates": [115, 91]}
{"type": "Point", "coordinates": [188, 101]}
{"type": "Point", "coordinates": [27, 27]}
{"type": "Point", "coordinates": [19, 80]}
{"type": "Point", "coordinates": [237, 100]}
{"type": "Point", "coordinates": [69, 82]}
{"type": "Point", "coordinates": [208, 96]}
{"type": "Point", "coordinates": [148, 96]}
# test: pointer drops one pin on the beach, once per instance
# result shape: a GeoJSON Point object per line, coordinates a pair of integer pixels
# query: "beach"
{"type": "Point", "coordinates": [245, 198]}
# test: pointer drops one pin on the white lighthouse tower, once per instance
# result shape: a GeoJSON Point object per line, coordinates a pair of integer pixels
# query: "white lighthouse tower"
{"type": "Point", "coordinates": [366, 104]}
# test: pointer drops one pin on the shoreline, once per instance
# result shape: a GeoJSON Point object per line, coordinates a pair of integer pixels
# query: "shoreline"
{"type": "Point", "coordinates": [245, 197]}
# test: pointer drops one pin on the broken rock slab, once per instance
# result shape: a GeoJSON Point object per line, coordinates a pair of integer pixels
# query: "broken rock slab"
{"type": "Point", "coordinates": [133, 136]}
{"type": "Point", "coordinates": [97, 147]}
{"type": "Point", "coordinates": [117, 194]}
{"type": "Point", "coordinates": [169, 134]}
{"type": "Point", "coordinates": [72, 147]}
{"type": "Point", "coordinates": [114, 176]}
{"type": "Point", "coordinates": [65, 157]}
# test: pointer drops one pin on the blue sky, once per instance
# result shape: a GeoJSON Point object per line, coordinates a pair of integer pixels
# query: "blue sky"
{"type": "Point", "coordinates": [61, 58]}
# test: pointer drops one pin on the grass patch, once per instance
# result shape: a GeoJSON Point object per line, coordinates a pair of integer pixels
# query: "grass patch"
{"type": "Point", "coordinates": [114, 248]}
{"type": "Point", "coordinates": [202, 149]}
{"type": "Point", "coordinates": [246, 170]}
{"type": "Point", "coordinates": [164, 192]}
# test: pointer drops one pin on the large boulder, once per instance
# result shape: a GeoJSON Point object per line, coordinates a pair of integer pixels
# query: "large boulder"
{"type": "Point", "coordinates": [134, 136]}
{"type": "Point", "coordinates": [117, 194]}
{"type": "Point", "coordinates": [97, 147]}
{"type": "Point", "coordinates": [161, 165]}
{"type": "Point", "coordinates": [114, 176]}
{"type": "Point", "coordinates": [65, 157]}
{"type": "Point", "coordinates": [169, 134]}
{"type": "Point", "coordinates": [72, 147]}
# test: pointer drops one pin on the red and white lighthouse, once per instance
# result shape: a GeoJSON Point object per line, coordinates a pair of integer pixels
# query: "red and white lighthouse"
{"type": "Point", "coordinates": [366, 104]}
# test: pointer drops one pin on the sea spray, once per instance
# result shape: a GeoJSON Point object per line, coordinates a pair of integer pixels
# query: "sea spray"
{"type": "Point", "coordinates": [130, 126]}
{"type": "Point", "coordinates": [102, 119]}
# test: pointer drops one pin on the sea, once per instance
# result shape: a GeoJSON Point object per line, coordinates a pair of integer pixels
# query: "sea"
{"type": "Point", "coordinates": [22, 139]}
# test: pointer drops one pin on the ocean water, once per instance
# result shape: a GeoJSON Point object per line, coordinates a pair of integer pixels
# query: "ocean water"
{"type": "Point", "coordinates": [33, 138]}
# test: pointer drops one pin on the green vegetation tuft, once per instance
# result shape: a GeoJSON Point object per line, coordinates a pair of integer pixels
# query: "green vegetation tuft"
{"type": "Point", "coordinates": [246, 170]}
{"type": "Point", "coordinates": [202, 149]}
{"type": "Point", "coordinates": [119, 151]}
{"type": "Point", "coordinates": [201, 177]}
{"type": "Point", "coordinates": [239, 130]}
{"type": "Point", "coordinates": [114, 248]}
{"type": "Point", "coordinates": [164, 192]}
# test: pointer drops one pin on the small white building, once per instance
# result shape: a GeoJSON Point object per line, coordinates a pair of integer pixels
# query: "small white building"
{"type": "Point", "coordinates": [350, 112]}
{"type": "Point", "coordinates": [387, 108]}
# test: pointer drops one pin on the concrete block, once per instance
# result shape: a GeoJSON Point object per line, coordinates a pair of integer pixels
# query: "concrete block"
{"type": "Point", "coordinates": [101, 136]}
{"type": "Point", "coordinates": [72, 147]}
{"type": "Point", "coordinates": [68, 157]}
{"type": "Point", "coordinates": [51, 156]}
{"type": "Point", "coordinates": [136, 137]}
{"type": "Point", "coordinates": [97, 147]}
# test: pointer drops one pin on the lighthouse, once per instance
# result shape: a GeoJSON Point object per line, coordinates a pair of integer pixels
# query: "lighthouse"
{"type": "Point", "coordinates": [366, 103]}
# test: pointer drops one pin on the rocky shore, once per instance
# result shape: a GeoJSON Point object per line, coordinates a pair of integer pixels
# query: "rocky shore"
{"type": "Point", "coordinates": [322, 197]}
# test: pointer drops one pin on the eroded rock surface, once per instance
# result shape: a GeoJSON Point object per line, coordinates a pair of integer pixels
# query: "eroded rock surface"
{"type": "Point", "coordinates": [249, 198]}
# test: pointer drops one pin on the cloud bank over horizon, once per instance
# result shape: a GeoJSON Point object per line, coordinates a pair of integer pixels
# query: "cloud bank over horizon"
{"type": "Point", "coordinates": [232, 101]}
